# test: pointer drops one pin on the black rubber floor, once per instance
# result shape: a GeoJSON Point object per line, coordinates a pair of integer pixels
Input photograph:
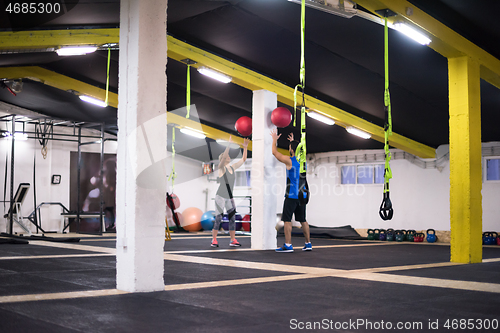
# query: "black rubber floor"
{"type": "Point", "coordinates": [330, 304]}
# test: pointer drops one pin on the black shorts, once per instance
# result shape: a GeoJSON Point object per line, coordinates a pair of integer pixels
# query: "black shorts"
{"type": "Point", "coordinates": [290, 207]}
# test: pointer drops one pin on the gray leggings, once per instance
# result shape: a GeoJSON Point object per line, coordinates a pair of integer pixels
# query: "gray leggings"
{"type": "Point", "coordinates": [220, 204]}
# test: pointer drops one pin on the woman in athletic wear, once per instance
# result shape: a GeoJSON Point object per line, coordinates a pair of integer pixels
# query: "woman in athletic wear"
{"type": "Point", "coordinates": [291, 205]}
{"type": "Point", "coordinates": [224, 195]}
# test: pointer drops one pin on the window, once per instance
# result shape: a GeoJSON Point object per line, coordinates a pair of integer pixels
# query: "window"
{"type": "Point", "coordinates": [242, 178]}
{"type": "Point", "coordinates": [365, 174]}
{"type": "Point", "coordinates": [362, 174]}
{"type": "Point", "coordinates": [348, 174]}
{"type": "Point", "coordinates": [492, 169]}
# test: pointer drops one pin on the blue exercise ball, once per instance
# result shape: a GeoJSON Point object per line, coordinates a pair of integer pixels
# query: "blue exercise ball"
{"type": "Point", "coordinates": [207, 220]}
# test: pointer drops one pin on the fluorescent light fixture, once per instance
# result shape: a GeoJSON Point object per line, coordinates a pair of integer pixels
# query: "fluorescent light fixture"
{"type": "Point", "coordinates": [17, 136]}
{"type": "Point", "coordinates": [320, 117]}
{"type": "Point", "coordinates": [412, 33]}
{"type": "Point", "coordinates": [337, 7]}
{"type": "Point", "coordinates": [214, 74]}
{"type": "Point", "coordinates": [193, 133]}
{"type": "Point", "coordinates": [225, 143]}
{"type": "Point", "coordinates": [358, 132]}
{"type": "Point", "coordinates": [20, 136]}
{"type": "Point", "coordinates": [22, 118]}
{"type": "Point", "coordinates": [92, 100]}
{"type": "Point", "coordinates": [75, 50]}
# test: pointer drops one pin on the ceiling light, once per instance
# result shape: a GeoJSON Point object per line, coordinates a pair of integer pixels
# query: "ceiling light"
{"type": "Point", "coordinates": [75, 50]}
{"type": "Point", "coordinates": [337, 7]}
{"type": "Point", "coordinates": [17, 136]}
{"type": "Point", "coordinates": [193, 133]}
{"type": "Point", "coordinates": [358, 132]}
{"type": "Point", "coordinates": [92, 100]}
{"type": "Point", "coordinates": [214, 74]}
{"type": "Point", "coordinates": [22, 118]}
{"type": "Point", "coordinates": [321, 118]}
{"type": "Point", "coordinates": [20, 136]}
{"type": "Point", "coordinates": [412, 33]}
{"type": "Point", "coordinates": [225, 143]}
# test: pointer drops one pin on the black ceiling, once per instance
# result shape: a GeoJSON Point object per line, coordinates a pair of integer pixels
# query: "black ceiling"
{"type": "Point", "coordinates": [344, 66]}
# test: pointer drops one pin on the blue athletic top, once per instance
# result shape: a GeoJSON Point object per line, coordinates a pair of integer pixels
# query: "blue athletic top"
{"type": "Point", "coordinates": [292, 180]}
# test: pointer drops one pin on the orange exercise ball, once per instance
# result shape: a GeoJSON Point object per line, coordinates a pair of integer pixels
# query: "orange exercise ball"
{"type": "Point", "coordinates": [192, 219]}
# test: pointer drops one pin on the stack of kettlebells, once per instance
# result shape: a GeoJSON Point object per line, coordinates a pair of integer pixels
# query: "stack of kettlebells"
{"type": "Point", "coordinates": [392, 235]}
{"type": "Point", "coordinates": [491, 238]}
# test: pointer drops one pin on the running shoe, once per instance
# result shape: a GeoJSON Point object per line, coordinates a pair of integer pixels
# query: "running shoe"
{"type": "Point", "coordinates": [214, 243]}
{"type": "Point", "coordinates": [285, 248]}
{"type": "Point", "coordinates": [234, 243]}
{"type": "Point", "coordinates": [307, 247]}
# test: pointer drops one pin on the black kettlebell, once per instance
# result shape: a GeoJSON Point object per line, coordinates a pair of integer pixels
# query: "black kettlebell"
{"type": "Point", "coordinates": [390, 235]}
{"type": "Point", "coordinates": [382, 235]}
{"type": "Point", "coordinates": [410, 235]}
{"type": "Point", "coordinates": [370, 234]}
{"type": "Point", "coordinates": [400, 235]}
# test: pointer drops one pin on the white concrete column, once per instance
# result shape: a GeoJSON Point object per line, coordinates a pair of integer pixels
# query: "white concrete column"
{"type": "Point", "coordinates": [264, 172]}
{"type": "Point", "coordinates": [142, 90]}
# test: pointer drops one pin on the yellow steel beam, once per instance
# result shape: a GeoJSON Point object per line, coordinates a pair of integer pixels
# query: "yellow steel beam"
{"type": "Point", "coordinates": [41, 39]}
{"type": "Point", "coordinates": [58, 81]}
{"type": "Point", "coordinates": [63, 82]}
{"type": "Point", "coordinates": [249, 79]}
{"type": "Point", "coordinates": [444, 40]}
{"type": "Point", "coordinates": [465, 160]}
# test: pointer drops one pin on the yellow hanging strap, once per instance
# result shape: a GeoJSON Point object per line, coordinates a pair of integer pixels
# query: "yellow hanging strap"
{"type": "Point", "coordinates": [386, 211]}
{"type": "Point", "coordinates": [172, 178]}
{"type": "Point", "coordinates": [188, 91]}
{"type": "Point", "coordinates": [301, 151]}
{"type": "Point", "coordinates": [173, 175]}
{"type": "Point", "coordinates": [107, 77]}
{"type": "Point", "coordinates": [302, 76]}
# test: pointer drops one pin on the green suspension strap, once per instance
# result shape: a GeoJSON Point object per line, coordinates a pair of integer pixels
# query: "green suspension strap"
{"type": "Point", "coordinates": [301, 151]}
{"type": "Point", "coordinates": [173, 175]}
{"type": "Point", "coordinates": [386, 212]}
{"type": "Point", "coordinates": [188, 91]}
{"type": "Point", "coordinates": [302, 83]}
{"type": "Point", "coordinates": [107, 77]}
{"type": "Point", "coordinates": [170, 200]}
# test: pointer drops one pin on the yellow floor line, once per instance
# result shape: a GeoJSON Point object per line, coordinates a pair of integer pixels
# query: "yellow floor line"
{"type": "Point", "coordinates": [491, 260]}
{"type": "Point", "coordinates": [301, 272]}
{"type": "Point", "coordinates": [57, 256]}
{"type": "Point", "coordinates": [75, 246]}
{"type": "Point", "coordinates": [238, 282]}
{"type": "Point", "coordinates": [349, 274]}
{"type": "Point", "coordinates": [406, 267]}
{"type": "Point", "coordinates": [425, 282]}
{"type": "Point", "coordinates": [54, 296]}
{"type": "Point", "coordinates": [249, 249]}
{"type": "Point", "coordinates": [254, 265]}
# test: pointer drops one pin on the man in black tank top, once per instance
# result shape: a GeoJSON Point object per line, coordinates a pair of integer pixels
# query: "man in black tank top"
{"type": "Point", "coordinates": [224, 195]}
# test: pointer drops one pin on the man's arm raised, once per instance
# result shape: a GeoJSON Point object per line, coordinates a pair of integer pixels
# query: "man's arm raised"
{"type": "Point", "coordinates": [279, 156]}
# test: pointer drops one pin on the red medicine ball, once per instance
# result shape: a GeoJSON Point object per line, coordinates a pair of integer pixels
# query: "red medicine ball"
{"type": "Point", "coordinates": [175, 200]}
{"type": "Point", "coordinates": [281, 117]}
{"type": "Point", "coordinates": [244, 126]}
